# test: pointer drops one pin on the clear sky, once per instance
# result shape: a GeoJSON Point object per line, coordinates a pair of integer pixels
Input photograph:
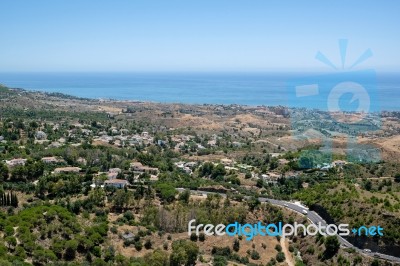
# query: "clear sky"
{"type": "Point", "coordinates": [189, 35]}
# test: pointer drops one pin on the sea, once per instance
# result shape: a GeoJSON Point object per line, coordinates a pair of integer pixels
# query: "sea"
{"type": "Point", "coordinates": [254, 89]}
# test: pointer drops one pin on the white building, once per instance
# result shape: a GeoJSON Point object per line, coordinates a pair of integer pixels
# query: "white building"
{"type": "Point", "coordinates": [117, 183]}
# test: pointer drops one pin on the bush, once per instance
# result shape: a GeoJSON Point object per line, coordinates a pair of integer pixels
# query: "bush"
{"type": "Point", "coordinates": [70, 249]}
{"type": "Point", "coordinates": [114, 230]}
{"type": "Point", "coordinates": [255, 255]}
{"type": "Point", "coordinates": [129, 216]}
{"type": "Point", "coordinates": [220, 261]}
{"type": "Point", "coordinates": [148, 244]}
{"type": "Point", "coordinates": [184, 253]}
{"type": "Point", "coordinates": [236, 245]}
{"type": "Point", "coordinates": [193, 237]}
{"type": "Point", "coordinates": [280, 257]}
{"type": "Point", "coordinates": [221, 251]}
{"type": "Point", "coordinates": [272, 261]}
{"type": "Point", "coordinates": [278, 248]}
{"type": "Point", "coordinates": [138, 245]}
{"type": "Point", "coordinates": [332, 245]}
{"type": "Point", "coordinates": [397, 177]}
{"type": "Point", "coordinates": [202, 237]}
{"type": "Point", "coordinates": [96, 251]}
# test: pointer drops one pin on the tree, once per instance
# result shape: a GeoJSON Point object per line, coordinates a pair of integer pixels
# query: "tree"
{"type": "Point", "coordinates": [368, 185]}
{"type": "Point", "coordinates": [236, 245]}
{"type": "Point", "coordinates": [43, 256]}
{"type": "Point", "coordinates": [148, 244]}
{"type": "Point", "coordinates": [280, 257]}
{"type": "Point", "coordinates": [202, 237]}
{"type": "Point", "coordinates": [218, 171]}
{"type": "Point", "coordinates": [167, 192]}
{"type": "Point", "coordinates": [122, 199]}
{"type": "Point", "coordinates": [184, 196]}
{"type": "Point", "coordinates": [157, 258]}
{"type": "Point", "coordinates": [11, 242]}
{"type": "Point", "coordinates": [253, 203]}
{"type": "Point", "coordinates": [183, 253]}
{"type": "Point", "coordinates": [70, 249]}
{"type": "Point", "coordinates": [255, 255]}
{"type": "Point", "coordinates": [220, 261]}
{"type": "Point", "coordinates": [138, 245]}
{"type": "Point", "coordinates": [109, 254]}
{"type": "Point", "coordinates": [260, 183]}
{"type": "Point", "coordinates": [3, 172]}
{"type": "Point", "coordinates": [331, 245]}
{"type": "Point", "coordinates": [97, 196]}
{"type": "Point", "coordinates": [193, 237]}
{"type": "Point", "coordinates": [397, 177]}
{"type": "Point", "coordinates": [206, 169]}
{"type": "Point", "coordinates": [375, 262]}
{"type": "Point", "coordinates": [14, 200]}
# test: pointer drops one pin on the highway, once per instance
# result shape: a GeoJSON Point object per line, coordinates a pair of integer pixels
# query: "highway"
{"type": "Point", "coordinates": [314, 218]}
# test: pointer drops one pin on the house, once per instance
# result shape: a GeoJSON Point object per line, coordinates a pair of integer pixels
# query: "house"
{"type": "Point", "coordinates": [227, 162]}
{"type": "Point", "coordinates": [50, 160]}
{"type": "Point", "coordinates": [180, 164]}
{"type": "Point", "coordinates": [245, 167]}
{"type": "Point", "coordinates": [15, 162]}
{"type": "Point", "coordinates": [117, 183]}
{"type": "Point", "coordinates": [212, 142]}
{"type": "Point", "coordinates": [237, 144]}
{"type": "Point", "coordinates": [81, 161]}
{"type": "Point", "coordinates": [325, 167]}
{"type": "Point", "coordinates": [339, 163]}
{"type": "Point", "coordinates": [128, 236]}
{"type": "Point", "coordinates": [68, 169]}
{"type": "Point", "coordinates": [114, 170]}
{"type": "Point", "coordinates": [191, 165]}
{"type": "Point", "coordinates": [55, 144]}
{"type": "Point", "coordinates": [86, 131]}
{"type": "Point", "coordinates": [112, 175]}
{"type": "Point", "coordinates": [40, 135]}
{"type": "Point", "coordinates": [140, 168]}
{"type": "Point", "coordinates": [282, 161]}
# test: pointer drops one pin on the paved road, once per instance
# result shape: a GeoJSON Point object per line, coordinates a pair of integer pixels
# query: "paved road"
{"type": "Point", "coordinates": [314, 218]}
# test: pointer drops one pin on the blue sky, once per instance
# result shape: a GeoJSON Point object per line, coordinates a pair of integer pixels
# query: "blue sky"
{"type": "Point", "coordinates": [203, 35]}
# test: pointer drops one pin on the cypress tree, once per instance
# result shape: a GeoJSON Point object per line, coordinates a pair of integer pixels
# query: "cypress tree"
{"type": "Point", "coordinates": [16, 201]}
{"type": "Point", "coordinates": [12, 199]}
{"type": "Point", "coordinates": [8, 199]}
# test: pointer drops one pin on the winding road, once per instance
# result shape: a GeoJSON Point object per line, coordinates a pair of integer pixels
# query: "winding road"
{"type": "Point", "coordinates": [315, 219]}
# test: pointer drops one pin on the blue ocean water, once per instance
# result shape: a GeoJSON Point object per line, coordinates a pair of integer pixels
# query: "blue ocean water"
{"type": "Point", "coordinates": [213, 88]}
